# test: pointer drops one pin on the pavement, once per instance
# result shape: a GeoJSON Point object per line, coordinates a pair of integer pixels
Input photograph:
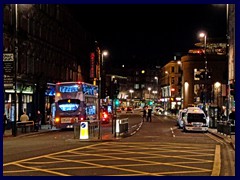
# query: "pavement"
{"type": "Point", "coordinates": [46, 129]}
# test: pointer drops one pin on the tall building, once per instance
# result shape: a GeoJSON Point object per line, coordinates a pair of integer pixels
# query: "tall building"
{"type": "Point", "coordinates": [200, 87]}
{"type": "Point", "coordinates": [171, 84]}
{"type": "Point", "coordinates": [47, 46]}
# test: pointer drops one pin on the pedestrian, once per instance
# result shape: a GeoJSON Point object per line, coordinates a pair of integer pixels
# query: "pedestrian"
{"type": "Point", "coordinates": [232, 116]}
{"type": "Point", "coordinates": [24, 117]}
{"type": "Point", "coordinates": [38, 121]}
{"type": "Point", "coordinates": [149, 114]}
{"type": "Point", "coordinates": [144, 113]}
{"type": "Point", "coordinates": [4, 122]}
{"type": "Point", "coordinates": [50, 121]}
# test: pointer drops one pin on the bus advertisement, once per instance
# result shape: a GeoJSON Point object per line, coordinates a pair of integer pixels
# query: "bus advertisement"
{"type": "Point", "coordinates": [75, 102]}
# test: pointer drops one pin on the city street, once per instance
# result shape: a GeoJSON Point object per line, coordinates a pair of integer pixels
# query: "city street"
{"type": "Point", "coordinates": [158, 148]}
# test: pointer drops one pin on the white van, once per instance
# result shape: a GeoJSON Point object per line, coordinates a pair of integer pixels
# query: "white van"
{"type": "Point", "coordinates": [195, 120]}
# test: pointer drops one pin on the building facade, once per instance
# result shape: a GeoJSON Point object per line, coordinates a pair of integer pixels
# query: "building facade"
{"type": "Point", "coordinates": [197, 88]}
{"type": "Point", "coordinates": [171, 84]}
{"type": "Point", "coordinates": [48, 46]}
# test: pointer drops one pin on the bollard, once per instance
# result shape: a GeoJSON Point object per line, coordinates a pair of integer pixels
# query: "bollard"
{"type": "Point", "coordinates": [121, 126]}
{"type": "Point", "coordinates": [76, 131]}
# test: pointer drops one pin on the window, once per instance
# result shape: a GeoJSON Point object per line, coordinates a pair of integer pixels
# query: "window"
{"type": "Point", "coordinates": [136, 86]}
{"type": "Point", "coordinates": [172, 80]}
{"type": "Point", "coordinates": [172, 69]}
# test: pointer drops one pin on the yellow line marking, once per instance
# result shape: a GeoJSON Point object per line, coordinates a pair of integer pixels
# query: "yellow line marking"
{"type": "Point", "coordinates": [105, 166]}
{"type": "Point", "coordinates": [52, 154]}
{"type": "Point", "coordinates": [215, 138]}
{"type": "Point", "coordinates": [217, 162]}
{"type": "Point", "coordinates": [43, 170]}
{"type": "Point", "coordinates": [153, 154]}
{"type": "Point", "coordinates": [146, 161]}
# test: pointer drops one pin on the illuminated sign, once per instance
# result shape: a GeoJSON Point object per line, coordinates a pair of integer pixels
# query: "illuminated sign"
{"type": "Point", "coordinates": [89, 90]}
{"type": "Point", "coordinates": [84, 130]}
{"type": "Point", "coordinates": [69, 89]}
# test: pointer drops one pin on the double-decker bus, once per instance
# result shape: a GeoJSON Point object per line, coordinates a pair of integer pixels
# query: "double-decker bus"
{"type": "Point", "coordinates": [75, 102]}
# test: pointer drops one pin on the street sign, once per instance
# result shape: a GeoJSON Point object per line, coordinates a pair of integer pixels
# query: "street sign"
{"type": "Point", "coordinates": [8, 67]}
{"type": "Point", "coordinates": [8, 82]}
{"type": "Point", "coordinates": [84, 130]}
{"type": "Point", "coordinates": [8, 63]}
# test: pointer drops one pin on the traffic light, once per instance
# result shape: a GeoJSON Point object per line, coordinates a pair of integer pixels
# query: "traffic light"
{"type": "Point", "coordinates": [114, 89]}
{"type": "Point", "coordinates": [117, 103]}
{"type": "Point", "coordinates": [150, 103]}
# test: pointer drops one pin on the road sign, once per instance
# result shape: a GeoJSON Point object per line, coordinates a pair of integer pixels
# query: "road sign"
{"type": "Point", "coordinates": [84, 130]}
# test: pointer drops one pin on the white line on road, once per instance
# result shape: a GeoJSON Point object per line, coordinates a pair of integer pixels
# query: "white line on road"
{"type": "Point", "coordinates": [172, 132]}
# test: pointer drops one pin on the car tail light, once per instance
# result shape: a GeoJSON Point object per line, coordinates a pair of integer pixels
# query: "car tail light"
{"type": "Point", "coordinates": [105, 115]}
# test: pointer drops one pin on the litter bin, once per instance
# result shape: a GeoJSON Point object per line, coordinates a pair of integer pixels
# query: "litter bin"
{"type": "Point", "coordinates": [212, 122]}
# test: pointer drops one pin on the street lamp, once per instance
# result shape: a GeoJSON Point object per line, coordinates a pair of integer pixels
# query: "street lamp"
{"type": "Point", "coordinates": [204, 35]}
{"type": "Point", "coordinates": [131, 91]}
{"type": "Point", "coordinates": [104, 53]}
{"type": "Point", "coordinates": [217, 86]}
{"type": "Point", "coordinates": [14, 129]}
{"type": "Point", "coordinates": [149, 89]}
{"type": "Point", "coordinates": [156, 81]}
{"type": "Point", "coordinates": [154, 93]}
{"type": "Point", "coordinates": [101, 83]}
{"type": "Point", "coordinates": [168, 83]}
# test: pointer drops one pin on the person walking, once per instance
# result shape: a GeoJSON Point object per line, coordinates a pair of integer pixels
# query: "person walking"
{"type": "Point", "coordinates": [144, 113]}
{"type": "Point", "coordinates": [149, 114]}
{"type": "Point", "coordinates": [4, 122]}
{"type": "Point", "coordinates": [38, 121]}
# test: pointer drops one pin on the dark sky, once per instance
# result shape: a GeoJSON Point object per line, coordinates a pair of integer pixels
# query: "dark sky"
{"type": "Point", "coordinates": [150, 33]}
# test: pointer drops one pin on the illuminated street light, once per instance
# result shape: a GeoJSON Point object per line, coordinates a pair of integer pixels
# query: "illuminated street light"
{"type": "Point", "coordinates": [14, 128]}
{"type": "Point", "coordinates": [131, 91]}
{"type": "Point", "coordinates": [154, 93]}
{"type": "Point", "coordinates": [204, 35]}
{"type": "Point", "coordinates": [217, 86]}
{"type": "Point", "coordinates": [149, 90]}
{"type": "Point", "coordinates": [104, 53]}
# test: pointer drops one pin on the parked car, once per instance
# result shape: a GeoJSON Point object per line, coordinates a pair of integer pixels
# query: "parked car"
{"type": "Point", "coordinates": [118, 110]}
{"type": "Point", "coordinates": [158, 111]}
{"type": "Point", "coordinates": [129, 110]}
{"type": "Point", "coordinates": [195, 120]}
{"type": "Point", "coordinates": [105, 117]}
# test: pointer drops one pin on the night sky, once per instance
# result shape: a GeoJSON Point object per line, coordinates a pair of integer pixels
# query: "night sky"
{"type": "Point", "coordinates": [150, 33]}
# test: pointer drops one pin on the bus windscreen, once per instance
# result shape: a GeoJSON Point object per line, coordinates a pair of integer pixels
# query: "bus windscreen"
{"type": "Point", "coordinates": [69, 105]}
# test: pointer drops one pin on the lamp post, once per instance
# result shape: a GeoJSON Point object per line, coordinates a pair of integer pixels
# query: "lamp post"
{"type": "Point", "coordinates": [204, 35]}
{"type": "Point", "coordinates": [154, 93]}
{"type": "Point", "coordinates": [14, 129]}
{"type": "Point", "coordinates": [217, 86]}
{"type": "Point", "coordinates": [149, 90]}
{"type": "Point", "coordinates": [102, 74]}
{"type": "Point", "coordinates": [229, 63]}
{"type": "Point", "coordinates": [131, 91]}
{"type": "Point", "coordinates": [156, 81]}
{"type": "Point", "coordinates": [168, 83]}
